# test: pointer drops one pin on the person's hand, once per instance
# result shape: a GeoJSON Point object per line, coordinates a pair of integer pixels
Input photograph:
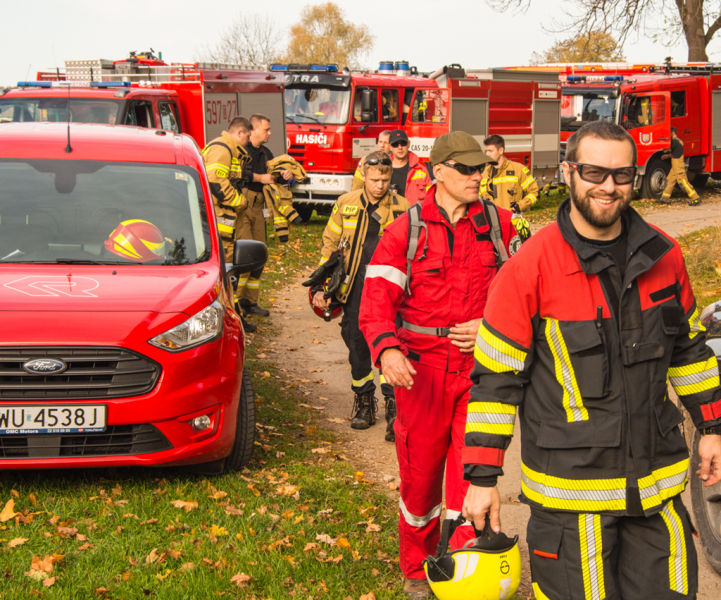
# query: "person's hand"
{"type": "Point", "coordinates": [397, 369]}
{"type": "Point", "coordinates": [287, 175]}
{"type": "Point", "coordinates": [463, 335]}
{"type": "Point", "coordinates": [515, 208]}
{"type": "Point", "coordinates": [709, 450]}
{"type": "Point", "coordinates": [665, 156]}
{"type": "Point", "coordinates": [264, 179]}
{"type": "Point", "coordinates": [482, 501]}
{"type": "Point", "coordinates": [320, 302]}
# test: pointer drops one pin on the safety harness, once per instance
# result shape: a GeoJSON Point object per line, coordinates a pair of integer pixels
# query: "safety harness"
{"type": "Point", "coordinates": [415, 224]}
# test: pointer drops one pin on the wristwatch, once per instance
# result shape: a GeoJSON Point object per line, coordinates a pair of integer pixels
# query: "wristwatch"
{"type": "Point", "coordinates": [711, 430]}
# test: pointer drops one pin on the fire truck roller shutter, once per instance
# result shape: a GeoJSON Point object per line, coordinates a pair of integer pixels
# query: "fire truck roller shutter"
{"type": "Point", "coordinates": [716, 130]}
{"type": "Point", "coordinates": [546, 141]}
{"type": "Point", "coordinates": [220, 109]}
{"type": "Point", "coordinates": [470, 115]}
{"type": "Point", "coordinates": [271, 105]}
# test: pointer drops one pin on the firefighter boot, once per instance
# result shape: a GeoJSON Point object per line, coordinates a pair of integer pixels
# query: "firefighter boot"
{"type": "Point", "coordinates": [390, 418]}
{"type": "Point", "coordinates": [254, 309]}
{"type": "Point", "coordinates": [417, 589]}
{"type": "Point", "coordinates": [364, 411]}
{"type": "Point", "coordinates": [248, 327]}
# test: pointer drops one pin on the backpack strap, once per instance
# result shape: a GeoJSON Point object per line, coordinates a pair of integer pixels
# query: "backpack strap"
{"type": "Point", "coordinates": [495, 232]}
{"type": "Point", "coordinates": [415, 224]}
{"type": "Point", "coordinates": [220, 144]}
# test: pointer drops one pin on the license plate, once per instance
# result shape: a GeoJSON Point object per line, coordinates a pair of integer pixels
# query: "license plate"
{"type": "Point", "coordinates": [66, 418]}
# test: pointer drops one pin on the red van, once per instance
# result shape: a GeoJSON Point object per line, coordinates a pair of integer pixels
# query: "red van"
{"type": "Point", "coordinates": [119, 344]}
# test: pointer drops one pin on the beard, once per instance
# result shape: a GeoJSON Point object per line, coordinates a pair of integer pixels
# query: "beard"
{"type": "Point", "coordinates": [584, 205]}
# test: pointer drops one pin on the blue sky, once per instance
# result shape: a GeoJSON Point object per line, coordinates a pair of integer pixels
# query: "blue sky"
{"type": "Point", "coordinates": [465, 32]}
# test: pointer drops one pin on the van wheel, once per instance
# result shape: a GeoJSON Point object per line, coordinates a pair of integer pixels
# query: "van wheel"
{"type": "Point", "coordinates": [706, 503]}
{"type": "Point", "coordinates": [700, 180]}
{"type": "Point", "coordinates": [245, 429]}
{"type": "Point", "coordinates": [654, 181]}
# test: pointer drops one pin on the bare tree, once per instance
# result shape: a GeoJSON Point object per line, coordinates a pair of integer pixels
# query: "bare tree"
{"type": "Point", "coordinates": [697, 21]}
{"type": "Point", "coordinates": [250, 39]}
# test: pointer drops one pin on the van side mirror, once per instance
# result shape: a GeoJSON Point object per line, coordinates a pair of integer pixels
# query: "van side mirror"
{"type": "Point", "coordinates": [367, 101]}
{"type": "Point", "coordinates": [248, 255]}
{"type": "Point", "coordinates": [366, 117]}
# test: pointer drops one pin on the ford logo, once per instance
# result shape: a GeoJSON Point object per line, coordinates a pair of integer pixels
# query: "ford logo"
{"type": "Point", "coordinates": [40, 366]}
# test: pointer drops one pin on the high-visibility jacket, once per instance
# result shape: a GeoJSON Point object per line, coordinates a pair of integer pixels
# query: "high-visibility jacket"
{"type": "Point", "coordinates": [224, 161]}
{"type": "Point", "coordinates": [278, 198]}
{"type": "Point", "coordinates": [349, 221]}
{"type": "Point", "coordinates": [586, 357]}
{"type": "Point", "coordinates": [509, 182]}
{"type": "Point", "coordinates": [450, 276]}
{"type": "Point", "coordinates": [418, 181]}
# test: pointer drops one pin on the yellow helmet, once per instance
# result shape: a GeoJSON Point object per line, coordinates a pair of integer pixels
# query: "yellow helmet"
{"type": "Point", "coordinates": [487, 568]}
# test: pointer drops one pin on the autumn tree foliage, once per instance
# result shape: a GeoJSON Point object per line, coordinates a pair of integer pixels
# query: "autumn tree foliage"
{"type": "Point", "coordinates": [594, 46]}
{"type": "Point", "coordinates": [324, 35]}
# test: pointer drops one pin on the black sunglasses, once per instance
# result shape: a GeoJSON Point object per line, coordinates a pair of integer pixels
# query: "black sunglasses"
{"type": "Point", "coordinates": [400, 143]}
{"type": "Point", "coordinates": [464, 169]}
{"type": "Point", "coordinates": [383, 161]}
{"type": "Point", "coordinates": [596, 174]}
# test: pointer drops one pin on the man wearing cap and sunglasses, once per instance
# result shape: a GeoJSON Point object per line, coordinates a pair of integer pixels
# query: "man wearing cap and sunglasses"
{"type": "Point", "coordinates": [433, 267]}
{"type": "Point", "coordinates": [410, 178]}
{"type": "Point", "coordinates": [602, 314]}
{"type": "Point", "coordinates": [357, 222]}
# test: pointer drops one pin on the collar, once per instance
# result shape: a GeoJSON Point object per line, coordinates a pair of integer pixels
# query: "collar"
{"type": "Point", "coordinates": [475, 213]}
{"type": "Point", "coordinates": [413, 160]}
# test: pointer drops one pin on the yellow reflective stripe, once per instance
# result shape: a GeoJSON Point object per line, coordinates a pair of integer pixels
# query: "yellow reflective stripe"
{"type": "Point", "coordinates": [695, 378]}
{"type": "Point", "coordinates": [226, 228]}
{"type": "Point", "coordinates": [360, 382]}
{"type": "Point", "coordinates": [216, 166]}
{"type": "Point", "coordinates": [677, 561]}
{"type": "Point", "coordinates": [694, 322]}
{"type": "Point", "coordinates": [334, 227]}
{"type": "Point", "coordinates": [505, 180]}
{"type": "Point", "coordinates": [581, 495]}
{"type": "Point", "coordinates": [358, 174]}
{"type": "Point", "coordinates": [323, 260]}
{"type": "Point", "coordinates": [284, 209]}
{"type": "Point", "coordinates": [253, 283]}
{"type": "Point", "coordinates": [526, 183]}
{"type": "Point", "coordinates": [688, 187]}
{"type": "Point", "coordinates": [490, 417]}
{"type": "Point", "coordinates": [237, 200]}
{"type": "Point", "coordinates": [495, 354]}
{"type": "Point", "coordinates": [242, 281]}
{"type": "Point", "coordinates": [538, 593]}
{"type": "Point", "coordinates": [280, 220]}
{"type": "Point", "coordinates": [663, 484]}
{"type": "Point", "coordinates": [589, 531]}
{"type": "Point", "coordinates": [349, 223]}
{"type": "Point", "coordinates": [532, 198]}
{"type": "Point", "coordinates": [429, 186]}
{"type": "Point", "coordinates": [382, 379]}
{"type": "Point", "coordinates": [565, 375]}
{"type": "Point", "coordinates": [418, 175]}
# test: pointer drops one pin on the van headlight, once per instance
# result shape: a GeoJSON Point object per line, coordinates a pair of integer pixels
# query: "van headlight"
{"type": "Point", "coordinates": [204, 327]}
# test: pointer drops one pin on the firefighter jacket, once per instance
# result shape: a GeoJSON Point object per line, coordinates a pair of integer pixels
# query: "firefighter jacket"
{"type": "Point", "coordinates": [349, 221]}
{"type": "Point", "coordinates": [586, 357]}
{"type": "Point", "coordinates": [509, 182]}
{"type": "Point", "coordinates": [224, 161]}
{"type": "Point", "coordinates": [417, 184]}
{"type": "Point", "coordinates": [449, 280]}
{"type": "Point", "coordinates": [278, 198]}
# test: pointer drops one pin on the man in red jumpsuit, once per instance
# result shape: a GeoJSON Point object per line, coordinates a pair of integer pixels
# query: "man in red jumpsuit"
{"type": "Point", "coordinates": [440, 294]}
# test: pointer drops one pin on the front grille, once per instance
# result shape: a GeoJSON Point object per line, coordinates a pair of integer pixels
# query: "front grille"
{"type": "Point", "coordinates": [116, 440]}
{"type": "Point", "coordinates": [91, 373]}
{"type": "Point", "coordinates": [297, 151]}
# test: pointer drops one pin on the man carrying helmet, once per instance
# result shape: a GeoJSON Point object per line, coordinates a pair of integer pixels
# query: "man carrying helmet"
{"type": "Point", "coordinates": [433, 268]}
{"type": "Point", "coordinates": [357, 222]}
{"type": "Point", "coordinates": [596, 333]}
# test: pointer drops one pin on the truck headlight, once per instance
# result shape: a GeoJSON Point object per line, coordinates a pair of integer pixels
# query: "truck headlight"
{"type": "Point", "coordinates": [204, 327]}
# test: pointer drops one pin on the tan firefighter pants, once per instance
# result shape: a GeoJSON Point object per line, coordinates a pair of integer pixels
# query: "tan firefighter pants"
{"type": "Point", "coordinates": [250, 225]}
{"type": "Point", "coordinates": [678, 175]}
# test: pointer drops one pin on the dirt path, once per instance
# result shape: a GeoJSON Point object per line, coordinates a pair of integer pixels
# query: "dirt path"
{"type": "Point", "coordinates": [313, 356]}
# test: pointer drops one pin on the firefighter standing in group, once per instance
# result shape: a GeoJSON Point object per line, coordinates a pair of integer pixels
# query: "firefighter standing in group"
{"type": "Point", "coordinates": [358, 221]}
{"type": "Point", "coordinates": [678, 173]}
{"type": "Point", "coordinates": [509, 184]}
{"type": "Point", "coordinates": [595, 333]}
{"type": "Point", "coordinates": [383, 146]}
{"type": "Point", "coordinates": [225, 157]}
{"type": "Point", "coordinates": [251, 223]}
{"type": "Point", "coordinates": [449, 245]}
{"type": "Point", "coordinates": [410, 178]}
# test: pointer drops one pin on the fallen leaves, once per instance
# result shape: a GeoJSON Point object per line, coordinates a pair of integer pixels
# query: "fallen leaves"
{"type": "Point", "coordinates": [17, 542]}
{"type": "Point", "coordinates": [322, 537]}
{"type": "Point", "coordinates": [188, 506]}
{"type": "Point", "coordinates": [8, 511]}
{"type": "Point", "coordinates": [253, 489]}
{"type": "Point", "coordinates": [336, 420]}
{"type": "Point", "coordinates": [241, 580]}
{"type": "Point", "coordinates": [41, 568]}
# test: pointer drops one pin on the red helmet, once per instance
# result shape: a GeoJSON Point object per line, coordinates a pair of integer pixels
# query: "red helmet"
{"type": "Point", "coordinates": [334, 311]}
{"type": "Point", "coordinates": [137, 240]}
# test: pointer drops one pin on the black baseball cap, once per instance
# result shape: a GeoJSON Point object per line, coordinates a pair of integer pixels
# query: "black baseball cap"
{"type": "Point", "coordinates": [398, 136]}
{"type": "Point", "coordinates": [461, 147]}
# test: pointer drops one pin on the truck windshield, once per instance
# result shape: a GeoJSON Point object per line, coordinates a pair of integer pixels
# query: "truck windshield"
{"type": "Point", "coordinates": [82, 110]}
{"type": "Point", "coordinates": [66, 211]}
{"type": "Point", "coordinates": [317, 104]}
{"type": "Point", "coordinates": [579, 109]}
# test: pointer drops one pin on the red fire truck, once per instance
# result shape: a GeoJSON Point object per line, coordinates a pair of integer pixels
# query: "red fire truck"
{"type": "Point", "coordinates": [333, 118]}
{"type": "Point", "coordinates": [198, 99]}
{"type": "Point", "coordinates": [649, 99]}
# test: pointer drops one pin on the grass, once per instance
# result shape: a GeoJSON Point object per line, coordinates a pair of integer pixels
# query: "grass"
{"type": "Point", "coordinates": [702, 253]}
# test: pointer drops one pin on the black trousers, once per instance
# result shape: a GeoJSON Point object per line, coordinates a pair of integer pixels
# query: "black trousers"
{"type": "Point", "coordinates": [359, 355]}
{"type": "Point", "coordinates": [588, 556]}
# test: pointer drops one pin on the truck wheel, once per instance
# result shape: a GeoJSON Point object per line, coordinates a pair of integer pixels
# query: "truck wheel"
{"type": "Point", "coordinates": [699, 181]}
{"type": "Point", "coordinates": [304, 210]}
{"type": "Point", "coordinates": [654, 181]}
{"type": "Point", "coordinates": [706, 503]}
{"type": "Point", "coordinates": [245, 429]}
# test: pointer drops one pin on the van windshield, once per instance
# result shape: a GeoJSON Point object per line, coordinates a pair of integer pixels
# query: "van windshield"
{"type": "Point", "coordinates": [54, 110]}
{"type": "Point", "coordinates": [66, 211]}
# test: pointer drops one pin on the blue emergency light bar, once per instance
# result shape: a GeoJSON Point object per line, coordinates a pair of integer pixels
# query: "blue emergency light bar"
{"type": "Point", "coordinates": [575, 78]}
{"type": "Point", "coordinates": [613, 78]}
{"type": "Point", "coordinates": [40, 84]}
{"type": "Point", "coordinates": [109, 84]}
{"type": "Point", "coordinates": [278, 67]}
{"type": "Point", "coordinates": [316, 68]}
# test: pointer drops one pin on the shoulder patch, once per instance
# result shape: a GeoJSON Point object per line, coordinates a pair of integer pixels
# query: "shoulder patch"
{"type": "Point", "coordinates": [335, 208]}
{"type": "Point", "coordinates": [525, 170]}
{"type": "Point", "coordinates": [514, 245]}
{"type": "Point", "coordinates": [350, 210]}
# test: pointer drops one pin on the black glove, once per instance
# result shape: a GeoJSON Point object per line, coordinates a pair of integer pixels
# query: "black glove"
{"type": "Point", "coordinates": [336, 278]}
{"type": "Point", "coordinates": [239, 183]}
{"type": "Point", "coordinates": [515, 208]}
{"type": "Point", "coordinates": [323, 272]}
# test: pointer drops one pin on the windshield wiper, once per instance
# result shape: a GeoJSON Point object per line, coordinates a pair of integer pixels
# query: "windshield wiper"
{"type": "Point", "coordinates": [85, 261]}
{"type": "Point", "coordinates": [312, 117]}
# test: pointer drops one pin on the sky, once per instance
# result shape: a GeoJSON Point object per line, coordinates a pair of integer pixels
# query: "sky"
{"type": "Point", "coordinates": [427, 33]}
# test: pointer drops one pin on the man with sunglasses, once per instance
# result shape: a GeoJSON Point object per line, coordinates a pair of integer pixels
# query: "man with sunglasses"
{"type": "Point", "coordinates": [358, 221]}
{"type": "Point", "coordinates": [602, 314]}
{"type": "Point", "coordinates": [433, 267]}
{"type": "Point", "coordinates": [410, 178]}
{"type": "Point", "coordinates": [383, 146]}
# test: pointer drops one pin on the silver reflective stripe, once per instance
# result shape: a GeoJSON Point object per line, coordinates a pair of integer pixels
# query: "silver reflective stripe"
{"type": "Point", "coordinates": [222, 221]}
{"type": "Point", "coordinates": [415, 521]}
{"type": "Point", "coordinates": [388, 273]}
{"type": "Point", "coordinates": [497, 355]}
{"type": "Point", "coordinates": [662, 484]}
{"type": "Point", "coordinates": [495, 418]}
{"type": "Point", "coordinates": [695, 378]}
{"type": "Point", "coordinates": [438, 331]}
{"type": "Point", "coordinates": [568, 383]}
{"type": "Point", "coordinates": [567, 494]}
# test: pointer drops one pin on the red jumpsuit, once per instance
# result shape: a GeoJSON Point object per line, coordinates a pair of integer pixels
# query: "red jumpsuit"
{"type": "Point", "coordinates": [448, 286]}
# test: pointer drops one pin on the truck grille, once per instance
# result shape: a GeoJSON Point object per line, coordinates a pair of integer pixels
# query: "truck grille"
{"type": "Point", "coordinates": [117, 440]}
{"type": "Point", "coordinates": [297, 152]}
{"type": "Point", "coordinates": [91, 373]}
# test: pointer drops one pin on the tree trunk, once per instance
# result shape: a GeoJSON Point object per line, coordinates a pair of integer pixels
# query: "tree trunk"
{"type": "Point", "coordinates": [691, 13]}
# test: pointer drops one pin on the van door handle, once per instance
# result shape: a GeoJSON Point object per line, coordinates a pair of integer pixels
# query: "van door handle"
{"type": "Point", "coordinates": [687, 131]}
{"type": "Point", "coordinates": [663, 139]}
